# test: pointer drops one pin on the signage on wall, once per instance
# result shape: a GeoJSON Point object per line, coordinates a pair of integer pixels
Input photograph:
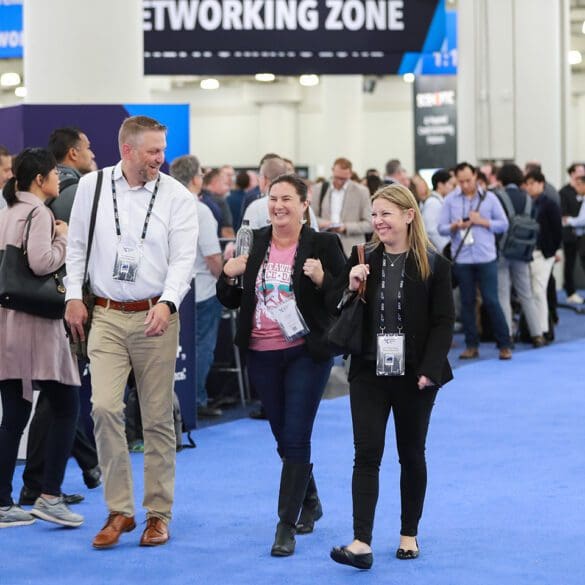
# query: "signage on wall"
{"type": "Point", "coordinates": [435, 122]}
{"type": "Point", "coordinates": [288, 37]}
{"type": "Point", "coordinates": [10, 29]}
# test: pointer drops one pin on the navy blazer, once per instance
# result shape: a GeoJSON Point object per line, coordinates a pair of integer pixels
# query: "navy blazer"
{"type": "Point", "coordinates": [310, 299]}
{"type": "Point", "coordinates": [429, 314]}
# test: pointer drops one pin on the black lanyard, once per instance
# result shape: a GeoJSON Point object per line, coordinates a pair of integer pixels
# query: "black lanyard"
{"type": "Point", "coordinates": [148, 213]}
{"type": "Point", "coordinates": [265, 264]}
{"type": "Point", "coordinates": [398, 299]}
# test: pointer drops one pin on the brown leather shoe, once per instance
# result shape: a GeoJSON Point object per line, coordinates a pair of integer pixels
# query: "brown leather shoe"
{"type": "Point", "coordinates": [155, 533]}
{"type": "Point", "coordinates": [109, 535]}
{"type": "Point", "coordinates": [469, 354]}
{"type": "Point", "coordinates": [505, 353]}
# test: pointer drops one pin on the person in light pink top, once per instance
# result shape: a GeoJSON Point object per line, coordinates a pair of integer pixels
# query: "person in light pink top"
{"type": "Point", "coordinates": [34, 348]}
{"type": "Point", "coordinates": [282, 327]}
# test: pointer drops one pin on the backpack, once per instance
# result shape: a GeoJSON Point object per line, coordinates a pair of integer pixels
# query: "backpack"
{"type": "Point", "coordinates": [519, 242]}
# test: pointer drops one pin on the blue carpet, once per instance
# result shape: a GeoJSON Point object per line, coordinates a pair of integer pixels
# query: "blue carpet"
{"type": "Point", "coordinates": [505, 500]}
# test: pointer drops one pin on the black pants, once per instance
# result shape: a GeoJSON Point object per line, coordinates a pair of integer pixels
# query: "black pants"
{"type": "Point", "coordinates": [83, 450]}
{"type": "Point", "coordinates": [64, 403]}
{"type": "Point", "coordinates": [372, 398]}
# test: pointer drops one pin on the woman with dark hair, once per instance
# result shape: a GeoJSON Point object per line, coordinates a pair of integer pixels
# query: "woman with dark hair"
{"type": "Point", "coordinates": [281, 327]}
{"type": "Point", "coordinates": [34, 348]}
{"type": "Point", "coordinates": [407, 332]}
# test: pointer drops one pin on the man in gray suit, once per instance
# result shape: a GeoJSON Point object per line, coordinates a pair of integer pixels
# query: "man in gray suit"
{"type": "Point", "coordinates": [345, 208]}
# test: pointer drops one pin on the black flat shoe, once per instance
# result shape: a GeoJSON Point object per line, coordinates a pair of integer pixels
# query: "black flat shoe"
{"type": "Point", "coordinates": [406, 554]}
{"type": "Point", "coordinates": [341, 555]}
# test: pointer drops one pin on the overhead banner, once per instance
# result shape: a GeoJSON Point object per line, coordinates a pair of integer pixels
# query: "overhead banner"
{"type": "Point", "coordinates": [435, 122]}
{"type": "Point", "coordinates": [10, 29]}
{"type": "Point", "coordinates": [288, 37]}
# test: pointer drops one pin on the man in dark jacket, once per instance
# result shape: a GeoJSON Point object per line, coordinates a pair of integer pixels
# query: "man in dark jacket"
{"type": "Point", "coordinates": [570, 206]}
{"type": "Point", "coordinates": [548, 215]}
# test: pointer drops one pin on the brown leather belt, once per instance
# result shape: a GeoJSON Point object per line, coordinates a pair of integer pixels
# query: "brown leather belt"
{"type": "Point", "coordinates": [126, 306]}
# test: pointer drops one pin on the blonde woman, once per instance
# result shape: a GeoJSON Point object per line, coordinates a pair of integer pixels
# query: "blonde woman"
{"type": "Point", "coordinates": [406, 337]}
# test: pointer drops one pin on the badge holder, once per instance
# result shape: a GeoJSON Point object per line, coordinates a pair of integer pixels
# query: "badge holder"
{"type": "Point", "coordinates": [289, 319]}
{"type": "Point", "coordinates": [390, 354]}
{"type": "Point", "coordinates": [126, 263]}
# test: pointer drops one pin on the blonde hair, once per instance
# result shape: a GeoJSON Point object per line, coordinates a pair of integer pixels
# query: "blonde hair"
{"type": "Point", "coordinates": [134, 126]}
{"type": "Point", "coordinates": [418, 241]}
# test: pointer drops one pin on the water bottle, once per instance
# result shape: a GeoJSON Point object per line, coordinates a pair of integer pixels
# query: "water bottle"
{"type": "Point", "coordinates": [244, 240]}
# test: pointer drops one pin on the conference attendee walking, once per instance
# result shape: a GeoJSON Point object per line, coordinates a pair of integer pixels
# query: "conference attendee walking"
{"type": "Point", "coordinates": [281, 327]}
{"type": "Point", "coordinates": [140, 268]}
{"type": "Point", "coordinates": [407, 332]}
{"type": "Point", "coordinates": [34, 348]}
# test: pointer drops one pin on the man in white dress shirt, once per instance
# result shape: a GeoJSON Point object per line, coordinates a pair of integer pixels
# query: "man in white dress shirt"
{"type": "Point", "coordinates": [140, 268]}
{"type": "Point", "coordinates": [5, 172]}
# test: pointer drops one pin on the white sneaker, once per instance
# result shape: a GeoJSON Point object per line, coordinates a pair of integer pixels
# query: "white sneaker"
{"type": "Point", "coordinates": [575, 299]}
{"type": "Point", "coordinates": [56, 512]}
{"type": "Point", "coordinates": [15, 516]}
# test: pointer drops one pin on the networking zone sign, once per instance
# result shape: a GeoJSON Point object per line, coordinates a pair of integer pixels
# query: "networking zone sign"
{"type": "Point", "coordinates": [287, 37]}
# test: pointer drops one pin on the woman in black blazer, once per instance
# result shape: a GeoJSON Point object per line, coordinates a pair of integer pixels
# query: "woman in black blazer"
{"type": "Point", "coordinates": [281, 327]}
{"type": "Point", "coordinates": [407, 334]}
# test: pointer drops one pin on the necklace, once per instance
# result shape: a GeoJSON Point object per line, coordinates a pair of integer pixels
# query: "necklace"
{"type": "Point", "coordinates": [393, 258]}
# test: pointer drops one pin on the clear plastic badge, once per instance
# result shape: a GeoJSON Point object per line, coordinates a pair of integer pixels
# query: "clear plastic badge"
{"type": "Point", "coordinates": [289, 319]}
{"type": "Point", "coordinates": [126, 264]}
{"type": "Point", "coordinates": [390, 355]}
{"type": "Point", "coordinates": [467, 241]}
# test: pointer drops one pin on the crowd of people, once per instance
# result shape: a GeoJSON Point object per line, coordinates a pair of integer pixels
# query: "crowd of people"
{"type": "Point", "coordinates": [134, 238]}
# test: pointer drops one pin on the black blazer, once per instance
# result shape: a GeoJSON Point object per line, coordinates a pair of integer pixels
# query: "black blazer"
{"type": "Point", "coordinates": [310, 299]}
{"type": "Point", "coordinates": [429, 313]}
{"type": "Point", "coordinates": [550, 236]}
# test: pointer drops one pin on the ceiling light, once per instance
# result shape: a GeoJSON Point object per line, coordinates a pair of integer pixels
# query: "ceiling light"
{"type": "Point", "coordinates": [575, 57]}
{"type": "Point", "coordinates": [209, 84]}
{"type": "Point", "coordinates": [265, 77]}
{"type": "Point", "coordinates": [9, 79]}
{"type": "Point", "coordinates": [408, 77]}
{"type": "Point", "coordinates": [309, 80]}
{"type": "Point", "coordinates": [20, 92]}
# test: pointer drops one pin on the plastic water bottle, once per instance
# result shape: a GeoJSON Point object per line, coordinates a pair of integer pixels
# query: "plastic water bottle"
{"type": "Point", "coordinates": [244, 240]}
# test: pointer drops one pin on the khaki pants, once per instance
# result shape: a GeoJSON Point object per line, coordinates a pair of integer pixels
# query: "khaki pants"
{"type": "Point", "coordinates": [116, 345]}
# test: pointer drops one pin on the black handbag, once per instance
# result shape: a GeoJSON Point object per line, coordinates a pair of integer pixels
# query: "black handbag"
{"type": "Point", "coordinates": [23, 290]}
{"type": "Point", "coordinates": [346, 333]}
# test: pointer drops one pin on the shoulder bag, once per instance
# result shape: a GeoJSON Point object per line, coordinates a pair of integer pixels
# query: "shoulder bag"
{"type": "Point", "coordinates": [23, 290]}
{"type": "Point", "coordinates": [345, 335]}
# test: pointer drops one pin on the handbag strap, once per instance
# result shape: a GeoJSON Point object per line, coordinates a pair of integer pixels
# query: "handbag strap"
{"type": "Point", "coordinates": [26, 235]}
{"type": "Point", "coordinates": [361, 252]}
{"type": "Point", "coordinates": [481, 198]}
{"type": "Point", "coordinates": [96, 199]}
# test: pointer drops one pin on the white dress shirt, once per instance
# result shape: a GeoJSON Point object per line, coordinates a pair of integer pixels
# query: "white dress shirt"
{"type": "Point", "coordinates": [169, 249]}
{"type": "Point", "coordinates": [431, 212]}
{"type": "Point", "coordinates": [207, 245]}
{"type": "Point", "coordinates": [257, 214]}
{"type": "Point", "coordinates": [337, 198]}
{"type": "Point", "coordinates": [3, 203]}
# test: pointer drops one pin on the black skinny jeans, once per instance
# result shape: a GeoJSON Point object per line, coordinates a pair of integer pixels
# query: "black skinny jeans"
{"type": "Point", "coordinates": [64, 402]}
{"type": "Point", "coordinates": [372, 398]}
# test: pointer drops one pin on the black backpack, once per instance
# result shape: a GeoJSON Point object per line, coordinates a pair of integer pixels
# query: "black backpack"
{"type": "Point", "coordinates": [519, 242]}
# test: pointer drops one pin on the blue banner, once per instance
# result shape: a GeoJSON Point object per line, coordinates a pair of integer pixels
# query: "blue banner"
{"type": "Point", "coordinates": [10, 29]}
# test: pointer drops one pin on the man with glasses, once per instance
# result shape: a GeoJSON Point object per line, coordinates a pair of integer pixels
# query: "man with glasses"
{"type": "Point", "coordinates": [345, 207]}
{"type": "Point", "coordinates": [5, 171]}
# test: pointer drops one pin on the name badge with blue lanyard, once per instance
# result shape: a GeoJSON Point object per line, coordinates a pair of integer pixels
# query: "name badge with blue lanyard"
{"type": "Point", "coordinates": [128, 254]}
{"type": "Point", "coordinates": [390, 347]}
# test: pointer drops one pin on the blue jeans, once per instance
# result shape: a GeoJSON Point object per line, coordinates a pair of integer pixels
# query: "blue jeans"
{"type": "Point", "coordinates": [486, 276]}
{"type": "Point", "coordinates": [208, 316]}
{"type": "Point", "coordinates": [290, 384]}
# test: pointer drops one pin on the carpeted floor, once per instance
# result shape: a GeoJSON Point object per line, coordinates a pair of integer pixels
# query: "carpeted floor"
{"type": "Point", "coordinates": [505, 503]}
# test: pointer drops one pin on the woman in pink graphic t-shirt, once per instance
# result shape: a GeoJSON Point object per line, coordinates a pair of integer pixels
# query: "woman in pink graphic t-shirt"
{"type": "Point", "coordinates": [281, 327]}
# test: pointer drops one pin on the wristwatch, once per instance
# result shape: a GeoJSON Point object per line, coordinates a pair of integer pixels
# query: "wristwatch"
{"type": "Point", "coordinates": [170, 305]}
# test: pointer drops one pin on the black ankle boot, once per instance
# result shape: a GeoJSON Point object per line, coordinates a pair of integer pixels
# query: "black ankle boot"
{"type": "Point", "coordinates": [293, 487]}
{"type": "Point", "coordinates": [311, 511]}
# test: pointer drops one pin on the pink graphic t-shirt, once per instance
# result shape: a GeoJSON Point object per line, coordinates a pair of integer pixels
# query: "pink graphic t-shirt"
{"type": "Point", "coordinates": [266, 334]}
